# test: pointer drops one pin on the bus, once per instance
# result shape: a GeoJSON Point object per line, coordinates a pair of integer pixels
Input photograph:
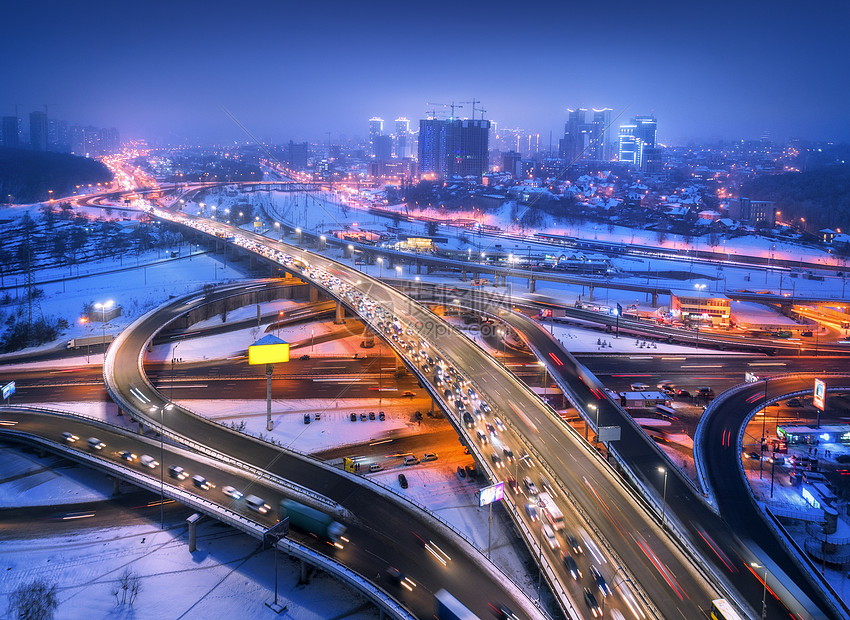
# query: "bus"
{"type": "Point", "coordinates": [552, 512]}
{"type": "Point", "coordinates": [721, 609]}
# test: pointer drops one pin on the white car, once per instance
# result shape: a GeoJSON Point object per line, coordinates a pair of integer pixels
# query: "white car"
{"type": "Point", "coordinates": [550, 537]}
{"type": "Point", "coordinates": [232, 492]}
{"type": "Point", "coordinates": [148, 461]}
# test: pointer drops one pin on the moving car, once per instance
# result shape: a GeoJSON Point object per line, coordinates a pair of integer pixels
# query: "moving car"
{"type": "Point", "coordinates": [69, 437]}
{"type": "Point", "coordinates": [497, 461]}
{"type": "Point", "coordinates": [550, 538]}
{"type": "Point", "coordinates": [591, 603]}
{"type": "Point", "coordinates": [175, 471]}
{"type": "Point", "coordinates": [148, 461]}
{"type": "Point", "coordinates": [232, 492]}
{"type": "Point", "coordinates": [571, 566]}
{"type": "Point", "coordinates": [127, 456]}
{"type": "Point", "coordinates": [604, 590]}
{"type": "Point", "coordinates": [257, 504]}
{"type": "Point", "coordinates": [201, 482]}
{"type": "Point", "coordinates": [531, 511]}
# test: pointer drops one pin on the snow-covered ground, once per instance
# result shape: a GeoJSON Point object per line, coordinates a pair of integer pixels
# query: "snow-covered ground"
{"type": "Point", "coordinates": [227, 577]}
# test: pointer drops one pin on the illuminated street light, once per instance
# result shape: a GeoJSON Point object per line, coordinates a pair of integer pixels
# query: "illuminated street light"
{"type": "Point", "coordinates": [663, 470]}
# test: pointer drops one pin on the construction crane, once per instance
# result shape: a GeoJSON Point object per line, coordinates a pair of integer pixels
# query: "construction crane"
{"type": "Point", "coordinates": [474, 109]}
{"type": "Point", "coordinates": [451, 105]}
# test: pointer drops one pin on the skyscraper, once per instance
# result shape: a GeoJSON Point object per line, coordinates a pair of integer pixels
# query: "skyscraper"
{"type": "Point", "coordinates": [600, 139]}
{"type": "Point", "coordinates": [376, 128]}
{"type": "Point", "coordinates": [402, 137]}
{"type": "Point", "coordinates": [575, 135]}
{"type": "Point", "coordinates": [453, 147]}
{"type": "Point", "coordinates": [38, 130]}
{"type": "Point", "coordinates": [11, 139]}
{"type": "Point", "coordinates": [638, 146]}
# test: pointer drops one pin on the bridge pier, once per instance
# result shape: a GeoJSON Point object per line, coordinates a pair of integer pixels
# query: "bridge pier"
{"type": "Point", "coordinates": [116, 486]}
{"type": "Point", "coordinates": [418, 267]}
{"type": "Point", "coordinates": [314, 294]}
{"type": "Point", "coordinates": [347, 251]}
{"type": "Point", "coordinates": [302, 575]}
{"type": "Point", "coordinates": [655, 300]}
{"type": "Point", "coordinates": [463, 275]}
{"type": "Point", "coordinates": [339, 317]}
{"type": "Point", "coordinates": [192, 522]}
{"type": "Point", "coordinates": [590, 289]}
{"type": "Point", "coordinates": [531, 285]}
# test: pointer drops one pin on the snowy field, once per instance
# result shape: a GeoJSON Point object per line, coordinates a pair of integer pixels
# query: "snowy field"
{"type": "Point", "coordinates": [229, 576]}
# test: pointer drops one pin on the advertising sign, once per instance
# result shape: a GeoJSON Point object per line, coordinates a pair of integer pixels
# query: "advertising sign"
{"type": "Point", "coordinates": [819, 399]}
{"type": "Point", "coordinates": [493, 493]}
{"type": "Point", "coordinates": [8, 390]}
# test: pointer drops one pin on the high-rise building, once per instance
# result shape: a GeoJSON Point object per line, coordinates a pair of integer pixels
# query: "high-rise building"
{"type": "Point", "coordinates": [383, 147]}
{"type": "Point", "coordinates": [296, 155]}
{"type": "Point", "coordinates": [376, 128]}
{"type": "Point", "coordinates": [402, 137]}
{"type": "Point", "coordinates": [575, 136]}
{"type": "Point", "coordinates": [432, 147]}
{"type": "Point", "coordinates": [638, 146]}
{"type": "Point", "coordinates": [600, 139]}
{"type": "Point", "coordinates": [511, 163]}
{"type": "Point", "coordinates": [467, 147]}
{"type": "Point", "coordinates": [11, 138]}
{"type": "Point", "coordinates": [38, 130]}
{"type": "Point", "coordinates": [453, 147]}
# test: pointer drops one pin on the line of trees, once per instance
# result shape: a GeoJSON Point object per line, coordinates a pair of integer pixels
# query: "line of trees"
{"type": "Point", "coordinates": [28, 176]}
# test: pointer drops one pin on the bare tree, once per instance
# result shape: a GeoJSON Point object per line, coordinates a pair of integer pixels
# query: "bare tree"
{"type": "Point", "coordinates": [128, 587]}
{"type": "Point", "coordinates": [35, 600]}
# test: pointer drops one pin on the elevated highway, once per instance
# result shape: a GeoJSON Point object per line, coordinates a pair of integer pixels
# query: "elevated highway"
{"type": "Point", "coordinates": [589, 485]}
{"type": "Point", "coordinates": [727, 542]}
{"type": "Point", "coordinates": [393, 523]}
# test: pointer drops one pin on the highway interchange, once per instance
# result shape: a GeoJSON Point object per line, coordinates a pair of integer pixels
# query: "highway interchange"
{"type": "Point", "coordinates": [643, 555]}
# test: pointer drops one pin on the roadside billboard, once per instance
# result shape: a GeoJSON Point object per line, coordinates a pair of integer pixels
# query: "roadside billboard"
{"type": "Point", "coordinates": [493, 493]}
{"type": "Point", "coordinates": [819, 399]}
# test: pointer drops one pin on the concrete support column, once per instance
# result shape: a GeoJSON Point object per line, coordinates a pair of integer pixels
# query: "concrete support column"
{"type": "Point", "coordinates": [655, 300]}
{"type": "Point", "coordinates": [590, 291]}
{"type": "Point", "coordinates": [314, 294]}
{"type": "Point", "coordinates": [302, 577]}
{"type": "Point", "coordinates": [531, 285]}
{"type": "Point", "coordinates": [347, 251]}
{"type": "Point", "coordinates": [192, 522]}
{"type": "Point", "coordinates": [418, 268]}
{"type": "Point", "coordinates": [116, 486]}
{"type": "Point", "coordinates": [463, 275]}
{"type": "Point", "coordinates": [475, 275]}
{"type": "Point", "coordinates": [339, 317]}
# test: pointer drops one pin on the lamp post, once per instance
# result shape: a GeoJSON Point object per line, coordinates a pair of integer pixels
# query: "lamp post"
{"type": "Point", "coordinates": [587, 424]}
{"type": "Point", "coordinates": [277, 225]}
{"type": "Point", "coordinates": [763, 591]}
{"type": "Point", "coordinates": [161, 410]}
{"type": "Point", "coordinates": [298, 232]}
{"type": "Point", "coordinates": [663, 470]}
{"type": "Point", "coordinates": [545, 380]}
{"type": "Point", "coordinates": [699, 288]}
{"type": "Point", "coordinates": [398, 271]}
{"type": "Point", "coordinates": [103, 307]}
{"type": "Point", "coordinates": [85, 320]}
{"type": "Point", "coordinates": [763, 424]}
{"type": "Point", "coordinates": [381, 263]}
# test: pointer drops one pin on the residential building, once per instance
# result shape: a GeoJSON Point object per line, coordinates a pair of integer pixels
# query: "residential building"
{"type": "Point", "coordinates": [453, 147]}
{"type": "Point", "coordinates": [11, 138]}
{"type": "Point", "coordinates": [376, 128]}
{"type": "Point", "coordinates": [38, 130]}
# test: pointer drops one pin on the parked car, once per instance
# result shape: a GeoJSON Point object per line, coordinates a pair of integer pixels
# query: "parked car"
{"type": "Point", "coordinates": [382, 416]}
{"type": "Point", "coordinates": [375, 467]}
{"type": "Point", "coordinates": [371, 415]}
{"type": "Point", "coordinates": [402, 480]}
{"type": "Point", "coordinates": [461, 472]}
{"type": "Point", "coordinates": [683, 394]}
{"type": "Point", "coordinates": [429, 456]}
{"type": "Point", "coordinates": [352, 417]}
{"type": "Point", "coordinates": [306, 418]}
{"type": "Point", "coordinates": [794, 402]}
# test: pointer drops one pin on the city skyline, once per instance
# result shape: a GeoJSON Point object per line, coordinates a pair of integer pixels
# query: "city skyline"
{"type": "Point", "coordinates": [297, 73]}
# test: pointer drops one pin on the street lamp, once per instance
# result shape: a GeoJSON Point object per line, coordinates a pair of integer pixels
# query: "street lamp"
{"type": "Point", "coordinates": [398, 271]}
{"type": "Point", "coordinates": [298, 231]}
{"type": "Point", "coordinates": [103, 307]}
{"type": "Point", "coordinates": [322, 240]}
{"type": "Point", "coordinates": [764, 590]}
{"type": "Point", "coordinates": [699, 288]}
{"type": "Point", "coordinates": [85, 321]}
{"type": "Point", "coordinates": [277, 225]}
{"type": "Point", "coordinates": [587, 424]}
{"type": "Point", "coordinates": [663, 470]}
{"type": "Point", "coordinates": [381, 263]}
{"type": "Point", "coordinates": [161, 411]}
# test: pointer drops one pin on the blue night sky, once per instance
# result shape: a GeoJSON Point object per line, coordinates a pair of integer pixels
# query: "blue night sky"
{"type": "Point", "coordinates": [726, 69]}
